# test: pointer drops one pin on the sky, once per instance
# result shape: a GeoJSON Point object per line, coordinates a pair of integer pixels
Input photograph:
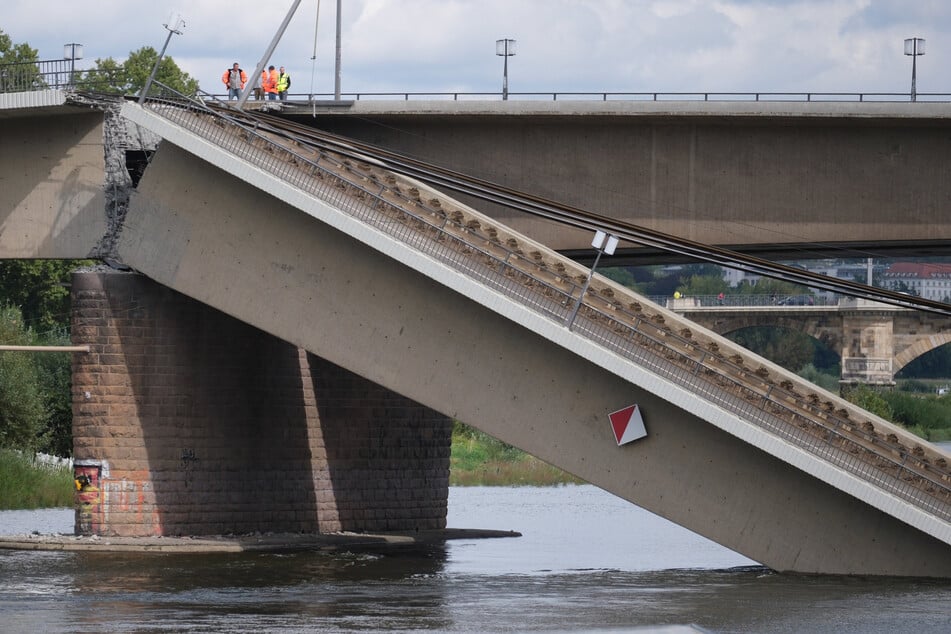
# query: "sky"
{"type": "Point", "coordinates": [561, 45]}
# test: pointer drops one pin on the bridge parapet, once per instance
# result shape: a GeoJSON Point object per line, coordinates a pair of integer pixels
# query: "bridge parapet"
{"type": "Point", "coordinates": [610, 315]}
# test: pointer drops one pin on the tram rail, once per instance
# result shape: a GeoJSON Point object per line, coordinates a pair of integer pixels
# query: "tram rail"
{"type": "Point", "coordinates": [443, 178]}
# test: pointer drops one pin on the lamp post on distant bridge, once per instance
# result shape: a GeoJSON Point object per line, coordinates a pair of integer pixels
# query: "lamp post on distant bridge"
{"type": "Point", "coordinates": [914, 46]}
{"type": "Point", "coordinates": [505, 48]}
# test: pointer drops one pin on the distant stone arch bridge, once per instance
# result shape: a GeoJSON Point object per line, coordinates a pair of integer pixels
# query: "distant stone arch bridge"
{"type": "Point", "coordinates": [874, 340]}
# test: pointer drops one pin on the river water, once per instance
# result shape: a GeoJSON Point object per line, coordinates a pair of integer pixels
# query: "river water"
{"type": "Point", "coordinates": [587, 561]}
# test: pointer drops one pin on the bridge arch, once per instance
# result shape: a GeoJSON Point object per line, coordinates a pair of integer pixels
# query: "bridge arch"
{"type": "Point", "coordinates": [920, 347]}
{"type": "Point", "coordinates": [827, 333]}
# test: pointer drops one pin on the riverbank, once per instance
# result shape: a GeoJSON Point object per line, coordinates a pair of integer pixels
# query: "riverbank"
{"type": "Point", "coordinates": [28, 484]}
{"type": "Point", "coordinates": [478, 459]}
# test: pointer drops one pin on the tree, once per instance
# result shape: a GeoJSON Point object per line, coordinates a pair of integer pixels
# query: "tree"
{"type": "Point", "coordinates": [37, 299]}
{"type": "Point", "coordinates": [18, 70]}
{"type": "Point", "coordinates": [697, 285]}
{"type": "Point", "coordinates": [130, 76]}
{"type": "Point", "coordinates": [21, 404]}
{"type": "Point", "coordinates": [107, 77]}
{"type": "Point", "coordinates": [622, 276]}
{"type": "Point", "coordinates": [790, 349]}
{"type": "Point", "coordinates": [11, 53]}
{"type": "Point", "coordinates": [871, 401]}
{"type": "Point", "coordinates": [54, 374]}
{"type": "Point", "coordinates": [39, 288]}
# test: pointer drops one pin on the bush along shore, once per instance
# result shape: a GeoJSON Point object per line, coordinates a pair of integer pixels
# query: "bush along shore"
{"type": "Point", "coordinates": [31, 484]}
{"type": "Point", "coordinates": [480, 460]}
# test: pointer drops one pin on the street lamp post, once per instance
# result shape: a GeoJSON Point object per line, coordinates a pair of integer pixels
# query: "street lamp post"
{"type": "Point", "coordinates": [337, 57]}
{"type": "Point", "coordinates": [175, 25]}
{"type": "Point", "coordinates": [72, 52]}
{"type": "Point", "coordinates": [604, 243]}
{"type": "Point", "coordinates": [505, 48]}
{"type": "Point", "coordinates": [914, 46]}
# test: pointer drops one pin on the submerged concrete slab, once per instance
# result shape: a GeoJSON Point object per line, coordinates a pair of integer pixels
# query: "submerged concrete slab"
{"type": "Point", "coordinates": [247, 543]}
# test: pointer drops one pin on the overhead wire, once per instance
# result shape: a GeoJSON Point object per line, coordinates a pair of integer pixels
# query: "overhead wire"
{"type": "Point", "coordinates": [567, 215]}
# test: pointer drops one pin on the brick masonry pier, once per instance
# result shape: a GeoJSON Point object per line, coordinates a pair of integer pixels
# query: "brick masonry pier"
{"type": "Point", "coordinates": [189, 422]}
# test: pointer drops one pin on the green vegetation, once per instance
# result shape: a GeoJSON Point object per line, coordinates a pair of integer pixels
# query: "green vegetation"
{"type": "Point", "coordinates": [25, 73]}
{"type": "Point", "coordinates": [108, 75]}
{"type": "Point", "coordinates": [11, 53]}
{"type": "Point", "coordinates": [928, 416]}
{"type": "Point", "coordinates": [129, 77]}
{"type": "Point", "coordinates": [29, 485]}
{"type": "Point", "coordinates": [35, 400]}
{"type": "Point", "coordinates": [480, 460]}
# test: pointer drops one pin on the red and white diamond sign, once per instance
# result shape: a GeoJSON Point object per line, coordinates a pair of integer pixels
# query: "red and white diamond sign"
{"type": "Point", "coordinates": [627, 424]}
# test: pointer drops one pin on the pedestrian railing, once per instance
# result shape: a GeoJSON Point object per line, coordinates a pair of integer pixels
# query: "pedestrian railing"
{"type": "Point", "coordinates": [63, 74]}
{"type": "Point", "coordinates": [748, 97]}
{"type": "Point", "coordinates": [622, 322]}
{"type": "Point", "coordinates": [57, 74]}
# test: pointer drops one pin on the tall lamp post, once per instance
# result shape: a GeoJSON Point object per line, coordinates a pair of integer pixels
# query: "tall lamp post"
{"type": "Point", "coordinates": [337, 57]}
{"type": "Point", "coordinates": [604, 243]}
{"type": "Point", "coordinates": [505, 48]}
{"type": "Point", "coordinates": [914, 46]}
{"type": "Point", "coordinates": [175, 25]}
{"type": "Point", "coordinates": [72, 52]}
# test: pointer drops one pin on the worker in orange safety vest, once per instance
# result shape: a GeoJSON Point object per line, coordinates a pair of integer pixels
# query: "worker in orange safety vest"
{"type": "Point", "coordinates": [269, 83]}
{"type": "Point", "coordinates": [234, 80]}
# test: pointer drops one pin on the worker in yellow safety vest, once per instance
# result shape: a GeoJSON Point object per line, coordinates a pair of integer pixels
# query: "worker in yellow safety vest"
{"type": "Point", "coordinates": [283, 83]}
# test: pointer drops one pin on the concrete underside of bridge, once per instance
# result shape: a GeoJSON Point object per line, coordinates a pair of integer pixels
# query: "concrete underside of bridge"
{"type": "Point", "coordinates": [229, 245]}
{"type": "Point", "coordinates": [52, 177]}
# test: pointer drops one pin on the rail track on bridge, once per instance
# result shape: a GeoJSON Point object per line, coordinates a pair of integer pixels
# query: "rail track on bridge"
{"type": "Point", "coordinates": [358, 180]}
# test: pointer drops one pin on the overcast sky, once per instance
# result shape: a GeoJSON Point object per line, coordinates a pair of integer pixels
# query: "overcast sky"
{"type": "Point", "coordinates": [562, 45]}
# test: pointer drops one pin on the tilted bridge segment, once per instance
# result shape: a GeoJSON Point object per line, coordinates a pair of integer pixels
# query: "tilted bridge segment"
{"type": "Point", "coordinates": [412, 291]}
{"type": "Point", "coordinates": [874, 340]}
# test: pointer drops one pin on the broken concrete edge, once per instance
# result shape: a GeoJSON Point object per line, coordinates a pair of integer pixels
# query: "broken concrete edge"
{"type": "Point", "coordinates": [246, 543]}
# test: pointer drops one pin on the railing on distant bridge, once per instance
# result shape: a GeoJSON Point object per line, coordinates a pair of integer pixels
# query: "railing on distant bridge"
{"type": "Point", "coordinates": [746, 301]}
{"type": "Point", "coordinates": [62, 74]}
{"type": "Point", "coordinates": [632, 329]}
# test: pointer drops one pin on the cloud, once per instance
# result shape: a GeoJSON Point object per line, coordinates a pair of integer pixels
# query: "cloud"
{"type": "Point", "coordinates": [563, 45]}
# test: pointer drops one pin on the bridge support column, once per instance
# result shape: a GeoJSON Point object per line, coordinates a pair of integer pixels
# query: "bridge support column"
{"type": "Point", "coordinates": [867, 349]}
{"type": "Point", "coordinates": [198, 424]}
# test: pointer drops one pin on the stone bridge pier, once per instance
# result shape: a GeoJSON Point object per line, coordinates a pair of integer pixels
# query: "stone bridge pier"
{"type": "Point", "coordinates": [868, 346]}
{"type": "Point", "coordinates": [190, 422]}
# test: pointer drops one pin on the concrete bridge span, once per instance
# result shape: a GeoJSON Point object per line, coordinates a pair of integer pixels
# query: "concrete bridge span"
{"type": "Point", "coordinates": [780, 180]}
{"type": "Point", "coordinates": [736, 449]}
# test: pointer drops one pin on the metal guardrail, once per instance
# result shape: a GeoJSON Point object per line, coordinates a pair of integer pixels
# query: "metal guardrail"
{"type": "Point", "coordinates": [630, 331]}
{"type": "Point", "coordinates": [62, 74]}
{"type": "Point", "coordinates": [752, 97]}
